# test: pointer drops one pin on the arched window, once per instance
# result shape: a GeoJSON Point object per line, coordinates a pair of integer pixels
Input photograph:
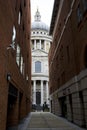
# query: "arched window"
{"type": "Point", "coordinates": [38, 67]}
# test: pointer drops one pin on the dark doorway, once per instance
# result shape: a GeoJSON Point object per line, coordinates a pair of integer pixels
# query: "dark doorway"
{"type": "Point", "coordinates": [82, 108]}
{"type": "Point", "coordinates": [38, 98]}
{"type": "Point", "coordinates": [71, 107]}
{"type": "Point", "coordinates": [12, 105]}
{"type": "Point", "coordinates": [63, 106]}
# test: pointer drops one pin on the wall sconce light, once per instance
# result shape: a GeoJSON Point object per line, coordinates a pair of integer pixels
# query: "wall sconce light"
{"type": "Point", "coordinates": [8, 77]}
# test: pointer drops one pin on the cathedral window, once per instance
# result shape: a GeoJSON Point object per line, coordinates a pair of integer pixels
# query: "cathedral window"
{"type": "Point", "coordinates": [38, 67]}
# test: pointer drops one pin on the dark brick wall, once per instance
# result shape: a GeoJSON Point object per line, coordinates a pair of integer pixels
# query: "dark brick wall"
{"type": "Point", "coordinates": [68, 60]}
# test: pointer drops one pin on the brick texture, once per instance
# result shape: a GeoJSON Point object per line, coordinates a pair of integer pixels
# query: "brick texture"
{"type": "Point", "coordinates": [10, 110]}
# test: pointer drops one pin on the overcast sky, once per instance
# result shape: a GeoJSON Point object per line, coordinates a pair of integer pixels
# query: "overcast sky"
{"type": "Point", "coordinates": [45, 8]}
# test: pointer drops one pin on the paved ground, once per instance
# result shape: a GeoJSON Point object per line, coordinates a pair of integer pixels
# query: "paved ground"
{"type": "Point", "coordinates": [47, 121]}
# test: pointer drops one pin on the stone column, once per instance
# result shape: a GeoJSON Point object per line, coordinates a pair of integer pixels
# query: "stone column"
{"type": "Point", "coordinates": [34, 92]}
{"type": "Point", "coordinates": [41, 92]}
{"type": "Point", "coordinates": [47, 90]}
{"type": "Point", "coordinates": [34, 44]}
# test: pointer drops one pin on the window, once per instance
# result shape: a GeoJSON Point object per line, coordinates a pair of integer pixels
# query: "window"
{"type": "Point", "coordinates": [21, 65]}
{"type": "Point", "coordinates": [14, 34]}
{"type": "Point", "coordinates": [79, 14]}
{"type": "Point", "coordinates": [19, 18]}
{"type": "Point", "coordinates": [85, 4]}
{"type": "Point", "coordinates": [19, 15]}
{"type": "Point", "coordinates": [13, 37]}
{"type": "Point", "coordinates": [38, 67]}
{"type": "Point", "coordinates": [18, 55]}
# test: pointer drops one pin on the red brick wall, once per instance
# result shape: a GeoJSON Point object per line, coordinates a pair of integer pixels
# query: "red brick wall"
{"type": "Point", "coordinates": [8, 17]}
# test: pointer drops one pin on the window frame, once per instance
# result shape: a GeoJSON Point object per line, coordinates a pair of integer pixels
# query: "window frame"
{"type": "Point", "coordinates": [37, 67]}
{"type": "Point", "coordinates": [18, 53]}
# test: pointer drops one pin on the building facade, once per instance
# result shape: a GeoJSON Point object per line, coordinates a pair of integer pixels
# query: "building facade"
{"type": "Point", "coordinates": [40, 44]}
{"type": "Point", "coordinates": [68, 61]}
{"type": "Point", "coordinates": [15, 62]}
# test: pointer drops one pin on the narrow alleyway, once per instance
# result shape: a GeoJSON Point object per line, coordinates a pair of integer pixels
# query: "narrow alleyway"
{"type": "Point", "coordinates": [48, 121]}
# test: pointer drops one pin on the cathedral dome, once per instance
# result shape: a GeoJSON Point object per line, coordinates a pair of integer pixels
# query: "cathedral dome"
{"type": "Point", "coordinates": [38, 24]}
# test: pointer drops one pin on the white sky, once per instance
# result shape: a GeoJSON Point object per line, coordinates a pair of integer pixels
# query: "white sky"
{"type": "Point", "coordinates": [45, 8]}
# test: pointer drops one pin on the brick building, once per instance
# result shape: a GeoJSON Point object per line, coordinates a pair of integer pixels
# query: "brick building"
{"type": "Point", "coordinates": [15, 62]}
{"type": "Point", "coordinates": [68, 60]}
